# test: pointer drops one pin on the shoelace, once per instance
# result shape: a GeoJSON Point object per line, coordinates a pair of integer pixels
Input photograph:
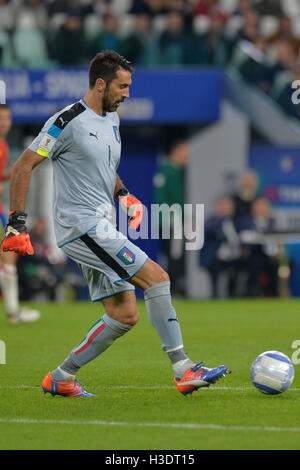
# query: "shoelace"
{"type": "Point", "coordinates": [84, 393]}
{"type": "Point", "coordinates": [79, 383]}
{"type": "Point", "coordinates": [197, 366]}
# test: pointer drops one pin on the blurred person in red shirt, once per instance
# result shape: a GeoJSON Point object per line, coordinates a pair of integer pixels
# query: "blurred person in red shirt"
{"type": "Point", "coordinates": [208, 8]}
{"type": "Point", "coordinates": [8, 260]}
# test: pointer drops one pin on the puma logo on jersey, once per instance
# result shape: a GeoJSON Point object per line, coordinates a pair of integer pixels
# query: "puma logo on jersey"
{"type": "Point", "coordinates": [61, 119]}
{"type": "Point", "coordinates": [94, 135]}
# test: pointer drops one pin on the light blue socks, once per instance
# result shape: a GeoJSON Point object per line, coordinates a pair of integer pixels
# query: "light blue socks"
{"type": "Point", "coordinates": [164, 319]}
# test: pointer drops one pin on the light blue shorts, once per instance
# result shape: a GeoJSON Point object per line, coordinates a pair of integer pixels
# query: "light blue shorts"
{"type": "Point", "coordinates": [107, 261]}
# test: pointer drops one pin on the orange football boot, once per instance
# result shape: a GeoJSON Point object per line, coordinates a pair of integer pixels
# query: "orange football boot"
{"type": "Point", "coordinates": [65, 389]}
{"type": "Point", "coordinates": [198, 376]}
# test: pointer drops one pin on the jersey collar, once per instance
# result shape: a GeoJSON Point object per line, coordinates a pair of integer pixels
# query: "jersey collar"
{"type": "Point", "coordinates": [103, 116]}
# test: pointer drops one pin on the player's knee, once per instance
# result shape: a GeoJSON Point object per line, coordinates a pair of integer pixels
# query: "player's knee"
{"type": "Point", "coordinates": [160, 276]}
{"type": "Point", "coordinates": [131, 316]}
{"type": "Point", "coordinates": [150, 275]}
{"type": "Point", "coordinates": [127, 314]}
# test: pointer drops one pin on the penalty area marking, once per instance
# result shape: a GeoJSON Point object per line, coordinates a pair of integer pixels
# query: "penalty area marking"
{"type": "Point", "coordinates": [215, 427]}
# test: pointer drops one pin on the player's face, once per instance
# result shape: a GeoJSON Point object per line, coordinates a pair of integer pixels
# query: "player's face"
{"type": "Point", "coordinates": [5, 122]}
{"type": "Point", "coordinates": [117, 91]}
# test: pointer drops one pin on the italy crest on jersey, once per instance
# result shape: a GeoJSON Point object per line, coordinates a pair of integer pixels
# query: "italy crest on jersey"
{"type": "Point", "coordinates": [117, 134]}
{"type": "Point", "coordinates": [126, 256]}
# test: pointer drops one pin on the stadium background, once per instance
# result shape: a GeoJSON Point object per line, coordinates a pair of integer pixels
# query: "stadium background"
{"type": "Point", "coordinates": [232, 102]}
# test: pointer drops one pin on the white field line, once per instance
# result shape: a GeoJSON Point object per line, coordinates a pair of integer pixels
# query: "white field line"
{"type": "Point", "coordinates": [215, 427]}
{"type": "Point", "coordinates": [140, 387]}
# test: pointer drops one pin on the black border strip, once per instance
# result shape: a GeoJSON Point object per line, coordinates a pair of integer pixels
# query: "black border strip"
{"type": "Point", "coordinates": [64, 118]}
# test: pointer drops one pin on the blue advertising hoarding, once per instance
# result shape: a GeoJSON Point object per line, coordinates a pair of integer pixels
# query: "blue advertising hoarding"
{"type": "Point", "coordinates": [157, 96]}
{"type": "Point", "coordinates": [278, 169]}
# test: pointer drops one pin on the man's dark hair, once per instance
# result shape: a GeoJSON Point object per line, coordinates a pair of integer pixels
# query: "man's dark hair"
{"type": "Point", "coordinates": [105, 65]}
{"type": "Point", "coordinates": [175, 143]}
{"type": "Point", "coordinates": [4, 106]}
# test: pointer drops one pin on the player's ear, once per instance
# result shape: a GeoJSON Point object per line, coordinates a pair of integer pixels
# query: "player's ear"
{"type": "Point", "coordinates": [100, 85]}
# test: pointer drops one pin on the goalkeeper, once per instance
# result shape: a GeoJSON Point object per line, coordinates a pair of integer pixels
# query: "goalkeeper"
{"type": "Point", "coordinates": [84, 145]}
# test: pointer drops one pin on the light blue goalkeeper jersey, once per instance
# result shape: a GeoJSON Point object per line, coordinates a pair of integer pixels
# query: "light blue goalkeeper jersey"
{"type": "Point", "coordinates": [85, 150]}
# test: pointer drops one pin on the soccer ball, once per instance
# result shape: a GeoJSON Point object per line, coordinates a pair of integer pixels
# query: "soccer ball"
{"type": "Point", "coordinates": [272, 372]}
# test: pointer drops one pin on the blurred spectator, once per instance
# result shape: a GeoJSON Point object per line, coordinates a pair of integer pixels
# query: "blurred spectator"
{"type": "Point", "coordinates": [63, 6]}
{"type": "Point", "coordinates": [42, 277]}
{"type": "Point", "coordinates": [245, 195]}
{"type": "Point", "coordinates": [184, 8]}
{"type": "Point", "coordinates": [108, 38]}
{"type": "Point", "coordinates": [7, 56]}
{"type": "Point", "coordinates": [178, 5]}
{"type": "Point", "coordinates": [256, 68]}
{"type": "Point", "coordinates": [95, 7]}
{"type": "Point", "coordinates": [213, 47]}
{"type": "Point", "coordinates": [286, 56]}
{"type": "Point", "coordinates": [36, 274]}
{"type": "Point", "coordinates": [169, 188]}
{"type": "Point", "coordinates": [34, 9]}
{"type": "Point", "coordinates": [283, 72]}
{"type": "Point", "coordinates": [261, 258]}
{"type": "Point", "coordinates": [100, 7]}
{"type": "Point", "coordinates": [221, 250]}
{"type": "Point", "coordinates": [141, 46]}
{"type": "Point", "coordinates": [284, 33]}
{"type": "Point", "coordinates": [69, 45]}
{"type": "Point", "coordinates": [268, 7]}
{"type": "Point", "coordinates": [7, 15]}
{"type": "Point", "coordinates": [29, 41]}
{"type": "Point", "coordinates": [208, 8]}
{"type": "Point", "coordinates": [150, 7]}
{"type": "Point", "coordinates": [243, 7]}
{"type": "Point", "coordinates": [173, 41]}
{"type": "Point", "coordinates": [9, 276]}
{"type": "Point", "coordinates": [282, 91]}
{"type": "Point", "coordinates": [249, 30]}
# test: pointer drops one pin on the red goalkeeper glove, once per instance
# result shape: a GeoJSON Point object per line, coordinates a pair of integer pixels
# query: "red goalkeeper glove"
{"type": "Point", "coordinates": [132, 206]}
{"type": "Point", "coordinates": [16, 237]}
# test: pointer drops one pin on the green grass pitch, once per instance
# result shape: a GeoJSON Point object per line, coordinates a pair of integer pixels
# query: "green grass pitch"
{"type": "Point", "coordinates": [137, 405]}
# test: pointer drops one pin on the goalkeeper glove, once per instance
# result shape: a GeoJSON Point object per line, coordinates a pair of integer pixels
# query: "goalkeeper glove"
{"type": "Point", "coordinates": [16, 237]}
{"type": "Point", "coordinates": [132, 206]}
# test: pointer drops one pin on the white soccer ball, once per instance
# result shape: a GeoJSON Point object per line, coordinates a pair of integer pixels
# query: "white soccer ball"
{"type": "Point", "coordinates": [272, 372]}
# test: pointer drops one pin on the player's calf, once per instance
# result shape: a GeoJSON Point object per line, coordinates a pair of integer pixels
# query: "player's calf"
{"type": "Point", "coordinates": [156, 285]}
